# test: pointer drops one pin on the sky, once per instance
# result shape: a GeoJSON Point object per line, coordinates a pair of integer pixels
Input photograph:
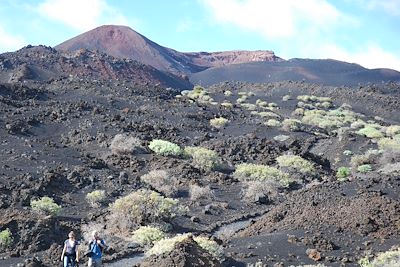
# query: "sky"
{"type": "Point", "coordinates": [366, 32]}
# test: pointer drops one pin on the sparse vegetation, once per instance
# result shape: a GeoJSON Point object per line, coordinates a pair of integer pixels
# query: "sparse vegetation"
{"type": "Point", "coordinates": [296, 164]}
{"type": "Point", "coordinates": [197, 192]}
{"type": "Point", "coordinates": [291, 125]}
{"type": "Point", "coordinates": [46, 205]}
{"type": "Point", "coordinates": [144, 206]}
{"type": "Point", "coordinates": [96, 197]}
{"type": "Point", "coordinates": [364, 168]}
{"type": "Point", "coordinates": [166, 245]}
{"type": "Point", "coordinates": [228, 93]}
{"type": "Point", "coordinates": [392, 130]}
{"type": "Point", "coordinates": [252, 190]}
{"type": "Point", "coordinates": [125, 144]}
{"type": "Point", "coordinates": [161, 181]}
{"type": "Point", "coordinates": [384, 259]}
{"type": "Point", "coordinates": [273, 123]}
{"type": "Point", "coordinates": [256, 172]}
{"type": "Point", "coordinates": [148, 235]}
{"type": "Point", "coordinates": [218, 122]}
{"type": "Point", "coordinates": [203, 158]}
{"type": "Point", "coordinates": [210, 246]}
{"type": "Point", "coordinates": [370, 132]}
{"type": "Point", "coordinates": [342, 173]}
{"type": "Point", "coordinates": [6, 239]}
{"type": "Point", "coordinates": [165, 148]}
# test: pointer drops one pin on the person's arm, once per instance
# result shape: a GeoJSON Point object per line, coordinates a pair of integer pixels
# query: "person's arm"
{"type": "Point", "coordinates": [63, 252]}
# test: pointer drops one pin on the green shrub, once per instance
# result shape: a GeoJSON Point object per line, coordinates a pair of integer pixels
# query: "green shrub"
{"type": "Point", "coordinates": [227, 105]}
{"type": "Point", "coordinates": [161, 181]}
{"type": "Point", "coordinates": [203, 158]}
{"type": "Point", "coordinates": [357, 124]}
{"type": "Point", "coordinates": [228, 93]}
{"type": "Point", "coordinates": [370, 132]}
{"type": "Point", "coordinates": [256, 172]}
{"type": "Point", "coordinates": [253, 189]}
{"type": "Point", "coordinates": [389, 144]}
{"type": "Point", "coordinates": [273, 123]}
{"type": "Point", "coordinates": [165, 148]}
{"type": "Point", "coordinates": [268, 114]}
{"type": "Point", "coordinates": [46, 205]}
{"type": "Point", "coordinates": [384, 259]}
{"type": "Point", "coordinates": [296, 163]}
{"type": "Point", "coordinates": [198, 93]}
{"type": "Point", "coordinates": [249, 106]}
{"type": "Point", "coordinates": [330, 120]}
{"type": "Point", "coordinates": [261, 103]}
{"type": "Point", "coordinates": [6, 239]}
{"type": "Point", "coordinates": [145, 206]}
{"type": "Point", "coordinates": [210, 246]}
{"type": "Point", "coordinates": [298, 112]}
{"type": "Point", "coordinates": [218, 122]}
{"type": "Point", "coordinates": [292, 125]}
{"type": "Point", "coordinates": [96, 197]}
{"type": "Point", "coordinates": [392, 130]}
{"type": "Point", "coordinates": [166, 245]}
{"type": "Point", "coordinates": [342, 173]}
{"type": "Point", "coordinates": [364, 168]}
{"type": "Point", "coordinates": [147, 235]}
{"type": "Point", "coordinates": [347, 152]}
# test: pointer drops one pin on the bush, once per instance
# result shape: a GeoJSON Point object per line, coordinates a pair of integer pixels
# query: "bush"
{"type": "Point", "coordinates": [210, 246]}
{"type": "Point", "coordinates": [249, 106]}
{"type": "Point", "coordinates": [218, 122]}
{"type": "Point", "coordinates": [203, 158]}
{"type": "Point", "coordinates": [166, 245]}
{"type": "Point", "coordinates": [198, 93]}
{"type": "Point", "coordinates": [161, 181]}
{"type": "Point", "coordinates": [253, 189]}
{"type": "Point", "coordinates": [292, 125]}
{"type": "Point", "coordinates": [369, 157]}
{"type": "Point", "coordinates": [197, 192]}
{"type": "Point", "coordinates": [384, 259]}
{"type": "Point", "coordinates": [273, 123]}
{"type": "Point", "coordinates": [255, 172]}
{"type": "Point", "coordinates": [286, 98]}
{"type": "Point", "coordinates": [227, 105]}
{"type": "Point", "coordinates": [370, 132]}
{"type": "Point", "coordinates": [297, 164]}
{"type": "Point", "coordinates": [125, 144]}
{"type": "Point", "coordinates": [96, 197]}
{"type": "Point", "coordinates": [6, 239]}
{"type": "Point", "coordinates": [46, 205]}
{"type": "Point", "coordinates": [144, 206]}
{"type": "Point", "coordinates": [147, 235]}
{"type": "Point", "coordinates": [347, 152]}
{"type": "Point", "coordinates": [392, 130]}
{"type": "Point", "coordinates": [267, 114]}
{"type": "Point", "coordinates": [228, 93]}
{"type": "Point", "coordinates": [364, 168]}
{"type": "Point", "coordinates": [389, 144]}
{"type": "Point", "coordinates": [165, 148]}
{"type": "Point", "coordinates": [342, 173]}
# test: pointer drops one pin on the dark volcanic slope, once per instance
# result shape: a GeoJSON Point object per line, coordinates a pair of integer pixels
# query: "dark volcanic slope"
{"type": "Point", "coordinates": [326, 72]}
{"type": "Point", "coordinates": [43, 63]}
{"type": "Point", "coordinates": [123, 42]}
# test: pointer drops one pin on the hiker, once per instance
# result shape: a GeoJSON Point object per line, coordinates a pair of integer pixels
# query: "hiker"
{"type": "Point", "coordinates": [70, 253]}
{"type": "Point", "coordinates": [96, 246]}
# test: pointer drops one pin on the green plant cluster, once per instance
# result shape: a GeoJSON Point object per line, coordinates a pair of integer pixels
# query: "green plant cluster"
{"type": "Point", "coordinates": [296, 163]}
{"type": "Point", "coordinates": [218, 122]}
{"type": "Point", "coordinates": [342, 173]}
{"type": "Point", "coordinates": [46, 205]}
{"type": "Point", "coordinates": [148, 235]}
{"type": "Point", "coordinates": [144, 206]}
{"type": "Point", "coordinates": [165, 148]}
{"type": "Point", "coordinates": [384, 259]}
{"type": "Point", "coordinates": [256, 172]}
{"type": "Point", "coordinates": [96, 197]}
{"type": "Point", "coordinates": [203, 158]}
{"type": "Point", "coordinates": [6, 239]}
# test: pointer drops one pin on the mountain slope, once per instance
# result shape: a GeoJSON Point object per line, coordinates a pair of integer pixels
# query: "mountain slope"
{"type": "Point", "coordinates": [322, 71]}
{"type": "Point", "coordinates": [123, 42]}
{"type": "Point", "coordinates": [39, 63]}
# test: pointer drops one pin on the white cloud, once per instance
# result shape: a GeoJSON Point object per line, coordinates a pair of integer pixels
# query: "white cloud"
{"type": "Point", "coordinates": [276, 19]}
{"type": "Point", "coordinates": [9, 42]}
{"type": "Point", "coordinates": [391, 7]}
{"type": "Point", "coordinates": [81, 14]}
{"type": "Point", "coordinates": [370, 56]}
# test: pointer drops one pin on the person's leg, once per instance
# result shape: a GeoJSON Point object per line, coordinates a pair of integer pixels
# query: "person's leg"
{"type": "Point", "coordinates": [90, 263]}
{"type": "Point", "coordinates": [65, 261]}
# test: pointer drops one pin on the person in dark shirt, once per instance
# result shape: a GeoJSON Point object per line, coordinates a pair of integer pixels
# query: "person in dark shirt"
{"type": "Point", "coordinates": [70, 253]}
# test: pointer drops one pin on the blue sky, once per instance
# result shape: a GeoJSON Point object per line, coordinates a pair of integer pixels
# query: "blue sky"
{"type": "Point", "coordinates": [366, 32]}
